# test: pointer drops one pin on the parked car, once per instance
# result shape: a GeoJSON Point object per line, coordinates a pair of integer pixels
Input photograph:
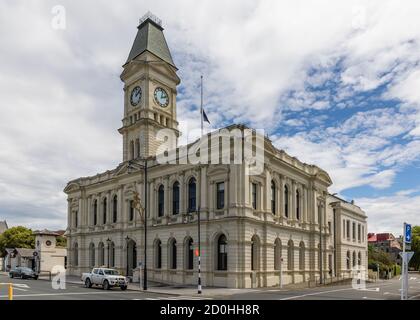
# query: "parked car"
{"type": "Point", "coordinates": [105, 277]}
{"type": "Point", "coordinates": [23, 273]}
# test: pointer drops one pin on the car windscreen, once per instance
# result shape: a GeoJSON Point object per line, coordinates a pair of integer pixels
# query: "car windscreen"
{"type": "Point", "coordinates": [26, 269]}
{"type": "Point", "coordinates": [111, 272]}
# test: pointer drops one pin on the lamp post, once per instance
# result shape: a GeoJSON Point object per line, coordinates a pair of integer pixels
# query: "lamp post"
{"type": "Point", "coordinates": [127, 239]}
{"type": "Point", "coordinates": [143, 213]}
{"type": "Point", "coordinates": [108, 241]}
{"type": "Point", "coordinates": [199, 250]}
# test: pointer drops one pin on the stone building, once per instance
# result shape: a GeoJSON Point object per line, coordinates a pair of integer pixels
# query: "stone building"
{"type": "Point", "coordinates": [252, 225]}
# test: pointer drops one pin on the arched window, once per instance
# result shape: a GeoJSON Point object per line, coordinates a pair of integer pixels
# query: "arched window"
{"type": "Point", "coordinates": [76, 220]}
{"type": "Point", "coordinates": [277, 254]}
{"type": "Point", "coordinates": [104, 211]}
{"type": "Point", "coordinates": [286, 201]}
{"type": "Point", "coordinates": [115, 209]}
{"type": "Point", "coordinates": [297, 205]}
{"type": "Point", "coordinates": [91, 255]}
{"type": "Point", "coordinates": [348, 260]}
{"type": "Point", "coordinates": [158, 254]}
{"type": "Point", "coordinates": [189, 250]}
{"type": "Point", "coordinates": [302, 256]}
{"type": "Point", "coordinates": [131, 150]}
{"type": "Point", "coordinates": [290, 255]}
{"type": "Point", "coordinates": [222, 253]}
{"type": "Point", "coordinates": [175, 198]}
{"type": "Point", "coordinates": [131, 212]}
{"type": "Point", "coordinates": [161, 195]}
{"type": "Point", "coordinates": [112, 255]}
{"type": "Point", "coordinates": [273, 197]}
{"type": "Point", "coordinates": [255, 253]}
{"type": "Point", "coordinates": [95, 212]}
{"type": "Point", "coordinates": [192, 195]}
{"type": "Point", "coordinates": [359, 258]}
{"type": "Point", "coordinates": [101, 254]}
{"type": "Point", "coordinates": [76, 255]}
{"type": "Point", "coordinates": [354, 258]}
{"type": "Point", "coordinates": [137, 148]}
{"type": "Point", "coordinates": [172, 254]}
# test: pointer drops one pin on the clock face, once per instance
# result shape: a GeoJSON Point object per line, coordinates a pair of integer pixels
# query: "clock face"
{"type": "Point", "coordinates": [161, 97]}
{"type": "Point", "coordinates": [48, 243]}
{"type": "Point", "coordinates": [135, 96]}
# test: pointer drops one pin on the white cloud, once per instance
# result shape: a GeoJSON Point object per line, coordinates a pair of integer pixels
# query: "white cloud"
{"type": "Point", "coordinates": [387, 214]}
{"type": "Point", "coordinates": [61, 97]}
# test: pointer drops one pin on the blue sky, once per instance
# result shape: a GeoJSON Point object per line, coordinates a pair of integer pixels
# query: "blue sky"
{"type": "Point", "coordinates": [335, 84]}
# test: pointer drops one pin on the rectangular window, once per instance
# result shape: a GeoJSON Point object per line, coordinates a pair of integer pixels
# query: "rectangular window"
{"type": "Point", "coordinates": [220, 195]}
{"type": "Point", "coordinates": [254, 196]}
{"type": "Point", "coordinates": [363, 233]}
{"type": "Point", "coordinates": [344, 228]}
{"type": "Point", "coordinates": [359, 232]}
{"type": "Point", "coordinates": [354, 231]}
{"type": "Point", "coordinates": [131, 217]}
{"type": "Point", "coordinates": [348, 229]}
{"type": "Point", "coordinates": [329, 226]}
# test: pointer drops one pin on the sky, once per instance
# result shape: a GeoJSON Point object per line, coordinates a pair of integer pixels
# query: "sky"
{"type": "Point", "coordinates": [334, 83]}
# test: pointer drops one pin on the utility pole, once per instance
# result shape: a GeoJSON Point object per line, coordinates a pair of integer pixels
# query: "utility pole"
{"type": "Point", "coordinates": [145, 227]}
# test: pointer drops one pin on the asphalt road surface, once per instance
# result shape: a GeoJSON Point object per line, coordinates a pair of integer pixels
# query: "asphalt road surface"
{"type": "Point", "coordinates": [28, 289]}
{"type": "Point", "coordinates": [42, 290]}
{"type": "Point", "coordinates": [381, 290]}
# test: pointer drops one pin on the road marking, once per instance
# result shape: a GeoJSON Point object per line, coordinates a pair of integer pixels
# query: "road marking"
{"type": "Point", "coordinates": [64, 294]}
{"type": "Point", "coordinates": [20, 285]}
{"type": "Point", "coordinates": [369, 289]}
{"type": "Point", "coordinates": [411, 298]}
{"type": "Point", "coordinates": [367, 298]}
{"type": "Point", "coordinates": [413, 278]}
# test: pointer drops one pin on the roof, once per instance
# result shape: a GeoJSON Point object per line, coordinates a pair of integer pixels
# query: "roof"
{"type": "Point", "coordinates": [3, 226]}
{"type": "Point", "coordinates": [46, 232]}
{"type": "Point", "coordinates": [150, 38]}
{"type": "Point", "coordinates": [379, 237]}
{"type": "Point", "coordinates": [24, 252]}
{"type": "Point", "coordinates": [372, 237]}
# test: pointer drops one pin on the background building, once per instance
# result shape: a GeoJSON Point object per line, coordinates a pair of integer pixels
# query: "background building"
{"type": "Point", "coordinates": [386, 242]}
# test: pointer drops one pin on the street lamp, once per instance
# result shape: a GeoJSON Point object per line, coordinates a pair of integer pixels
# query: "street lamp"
{"type": "Point", "coordinates": [108, 241]}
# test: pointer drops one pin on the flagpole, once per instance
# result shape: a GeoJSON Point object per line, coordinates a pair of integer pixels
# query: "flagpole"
{"type": "Point", "coordinates": [201, 106]}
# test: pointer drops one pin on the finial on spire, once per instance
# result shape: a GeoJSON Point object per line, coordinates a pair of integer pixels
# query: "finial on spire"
{"type": "Point", "coordinates": [152, 17]}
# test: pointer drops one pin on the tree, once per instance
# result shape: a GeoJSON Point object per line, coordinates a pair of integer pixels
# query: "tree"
{"type": "Point", "coordinates": [415, 247]}
{"type": "Point", "coordinates": [16, 237]}
{"type": "Point", "coordinates": [61, 241]}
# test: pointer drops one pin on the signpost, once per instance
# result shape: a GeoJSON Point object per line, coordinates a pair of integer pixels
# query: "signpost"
{"type": "Point", "coordinates": [406, 256]}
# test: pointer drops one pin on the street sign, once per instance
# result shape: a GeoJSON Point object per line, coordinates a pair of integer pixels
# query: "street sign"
{"type": "Point", "coordinates": [408, 255]}
{"type": "Point", "coordinates": [196, 253]}
{"type": "Point", "coordinates": [407, 233]}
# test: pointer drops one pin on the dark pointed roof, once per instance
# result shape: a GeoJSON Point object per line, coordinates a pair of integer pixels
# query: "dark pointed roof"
{"type": "Point", "coordinates": [150, 37]}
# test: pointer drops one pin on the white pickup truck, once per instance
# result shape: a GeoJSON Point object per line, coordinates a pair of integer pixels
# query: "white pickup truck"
{"type": "Point", "coordinates": [104, 277]}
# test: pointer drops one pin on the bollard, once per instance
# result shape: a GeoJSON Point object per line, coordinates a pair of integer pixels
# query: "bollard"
{"type": "Point", "coordinates": [10, 291]}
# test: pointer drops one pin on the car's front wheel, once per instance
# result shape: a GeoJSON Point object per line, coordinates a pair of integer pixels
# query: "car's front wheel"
{"type": "Point", "coordinates": [106, 285]}
{"type": "Point", "coordinates": [88, 284]}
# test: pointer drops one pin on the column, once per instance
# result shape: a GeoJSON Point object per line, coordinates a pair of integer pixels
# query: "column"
{"type": "Point", "coordinates": [203, 186]}
{"type": "Point", "coordinates": [282, 200]}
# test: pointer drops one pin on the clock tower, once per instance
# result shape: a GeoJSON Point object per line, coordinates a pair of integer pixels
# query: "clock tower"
{"type": "Point", "coordinates": [150, 82]}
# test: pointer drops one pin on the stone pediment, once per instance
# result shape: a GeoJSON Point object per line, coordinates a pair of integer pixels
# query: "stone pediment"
{"type": "Point", "coordinates": [127, 168]}
{"type": "Point", "coordinates": [71, 187]}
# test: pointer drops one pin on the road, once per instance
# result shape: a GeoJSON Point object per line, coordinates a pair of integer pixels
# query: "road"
{"type": "Point", "coordinates": [28, 289]}
{"type": "Point", "coordinates": [382, 290]}
{"type": "Point", "coordinates": [42, 290]}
